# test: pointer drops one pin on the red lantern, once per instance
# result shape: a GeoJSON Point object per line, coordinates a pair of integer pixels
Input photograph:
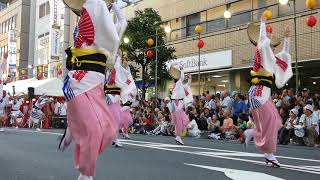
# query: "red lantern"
{"type": "Point", "coordinates": [200, 44]}
{"type": "Point", "coordinates": [150, 53]}
{"type": "Point", "coordinates": [311, 21]}
{"type": "Point", "coordinates": [40, 75]}
{"type": "Point", "coordinates": [269, 29]}
{"type": "Point", "coordinates": [59, 72]}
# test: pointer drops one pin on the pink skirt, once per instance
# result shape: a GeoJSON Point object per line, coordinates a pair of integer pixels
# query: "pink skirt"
{"type": "Point", "coordinates": [126, 119]}
{"type": "Point", "coordinates": [91, 126]}
{"type": "Point", "coordinates": [115, 110]}
{"type": "Point", "coordinates": [180, 120]}
{"type": "Point", "coordinates": [268, 122]}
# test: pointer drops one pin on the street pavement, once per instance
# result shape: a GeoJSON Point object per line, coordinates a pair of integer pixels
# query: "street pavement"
{"type": "Point", "coordinates": [29, 155]}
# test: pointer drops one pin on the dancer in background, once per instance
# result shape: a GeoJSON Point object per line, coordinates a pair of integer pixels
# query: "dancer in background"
{"type": "Point", "coordinates": [128, 93]}
{"type": "Point", "coordinates": [264, 113]}
{"type": "Point", "coordinates": [91, 124]}
{"type": "Point", "coordinates": [179, 117]}
{"type": "Point", "coordinates": [36, 113]}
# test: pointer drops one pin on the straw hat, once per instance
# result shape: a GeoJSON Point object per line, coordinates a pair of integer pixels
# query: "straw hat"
{"type": "Point", "coordinates": [174, 73]}
{"type": "Point", "coordinates": [76, 5]}
{"type": "Point", "coordinates": [254, 32]}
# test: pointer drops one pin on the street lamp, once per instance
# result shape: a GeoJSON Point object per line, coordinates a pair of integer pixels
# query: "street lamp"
{"type": "Point", "coordinates": [167, 29]}
{"type": "Point", "coordinates": [126, 40]}
{"type": "Point", "coordinates": [283, 2]}
{"type": "Point", "coordinates": [227, 13]}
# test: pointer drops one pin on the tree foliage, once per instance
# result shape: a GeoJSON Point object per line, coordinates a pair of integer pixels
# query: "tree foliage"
{"type": "Point", "coordinates": [142, 27]}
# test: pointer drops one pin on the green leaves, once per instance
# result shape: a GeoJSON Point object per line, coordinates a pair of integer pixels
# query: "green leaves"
{"type": "Point", "coordinates": [140, 28]}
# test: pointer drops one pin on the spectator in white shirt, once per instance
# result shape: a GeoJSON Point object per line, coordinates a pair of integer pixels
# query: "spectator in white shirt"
{"type": "Point", "coordinates": [192, 129]}
{"type": "Point", "coordinates": [227, 101]}
{"type": "Point", "coordinates": [210, 104]}
{"type": "Point", "coordinates": [56, 107]}
{"type": "Point", "coordinates": [63, 108]}
{"type": "Point", "coordinates": [309, 122]}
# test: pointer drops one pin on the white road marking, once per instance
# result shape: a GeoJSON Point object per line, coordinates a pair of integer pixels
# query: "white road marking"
{"type": "Point", "coordinates": [162, 146]}
{"type": "Point", "coordinates": [219, 150]}
{"type": "Point", "coordinates": [239, 174]}
{"type": "Point", "coordinates": [283, 166]}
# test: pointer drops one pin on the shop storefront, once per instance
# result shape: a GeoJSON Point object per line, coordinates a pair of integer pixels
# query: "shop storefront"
{"type": "Point", "coordinates": [216, 73]}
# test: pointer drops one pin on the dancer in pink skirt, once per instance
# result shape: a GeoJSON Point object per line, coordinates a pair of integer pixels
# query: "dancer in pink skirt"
{"type": "Point", "coordinates": [128, 93]}
{"type": "Point", "coordinates": [266, 65]}
{"type": "Point", "coordinates": [179, 117]}
{"type": "Point", "coordinates": [90, 122]}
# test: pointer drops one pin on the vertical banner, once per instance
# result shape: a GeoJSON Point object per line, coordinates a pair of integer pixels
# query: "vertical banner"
{"type": "Point", "coordinates": [55, 43]}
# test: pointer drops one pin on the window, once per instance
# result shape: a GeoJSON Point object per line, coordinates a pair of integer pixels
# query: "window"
{"type": "Point", "coordinates": [192, 21]}
{"type": "Point", "coordinates": [177, 20]}
{"type": "Point", "coordinates": [239, 19]}
{"type": "Point", "coordinates": [42, 10]}
{"type": "Point", "coordinates": [216, 24]}
{"type": "Point", "coordinates": [47, 8]}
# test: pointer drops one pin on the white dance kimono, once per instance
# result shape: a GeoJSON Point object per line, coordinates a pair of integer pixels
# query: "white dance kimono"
{"type": "Point", "coordinates": [36, 113]}
{"type": "Point", "coordinates": [264, 112]}
{"type": "Point", "coordinates": [89, 119]}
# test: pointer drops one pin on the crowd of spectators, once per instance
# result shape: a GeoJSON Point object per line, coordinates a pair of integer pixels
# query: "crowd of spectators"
{"type": "Point", "coordinates": [227, 116]}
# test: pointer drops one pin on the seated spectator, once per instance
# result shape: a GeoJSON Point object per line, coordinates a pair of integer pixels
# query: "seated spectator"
{"type": "Point", "coordinates": [213, 124]}
{"type": "Point", "coordinates": [227, 126]}
{"type": "Point", "coordinates": [287, 130]}
{"type": "Point", "coordinates": [162, 127]}
{"type": "Point", "coordinates": [248, 133]}
{"type": "Point", "coordinates": [241, 126]}
{"type": "Point", "coordinates": [192, 129]}
{"type": "Point", "coordinates": [202, 121]}
{"type": "Point", "coordinates": [309, 122]}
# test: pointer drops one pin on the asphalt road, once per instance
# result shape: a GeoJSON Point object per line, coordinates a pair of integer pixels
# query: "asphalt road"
{"type": "Point", "coordinates": [29, 155]}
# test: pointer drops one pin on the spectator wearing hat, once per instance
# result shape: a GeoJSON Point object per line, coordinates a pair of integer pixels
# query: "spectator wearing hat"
{"type": "Point", "coordinates": [287, 130]}
{"type": "Point", "coordinates": [309, 122]}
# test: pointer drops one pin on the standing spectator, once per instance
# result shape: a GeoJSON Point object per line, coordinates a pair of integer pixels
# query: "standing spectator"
{"type": "Point", "coordinates": [56, 107]}
{"type": "Point", "coordinates": [309, 123]}
{"type": "Point", "coordinates": [63, 108]}
{"type": "Point", "coordinates": [63, 112]}
{"type": "Point", "coordinates": [227, 101]}
{"type": "Point", "coordinates": [287, 131]}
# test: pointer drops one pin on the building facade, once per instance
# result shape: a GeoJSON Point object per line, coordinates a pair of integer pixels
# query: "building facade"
{"type": "Point", "coordinates": [14, 37]}
{"type": "Point", "coordinates": [48, 37]}
{"type": "Point", "coordinates": [227, 54]}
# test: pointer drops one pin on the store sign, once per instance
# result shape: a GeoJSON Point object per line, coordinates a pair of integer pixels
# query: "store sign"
{"type": "Point", "coordinates": [56, 12]}
{"type": "Point", "coordinates": [209, 61]}
{"type": "Point", "coordinates": [55, 42]}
